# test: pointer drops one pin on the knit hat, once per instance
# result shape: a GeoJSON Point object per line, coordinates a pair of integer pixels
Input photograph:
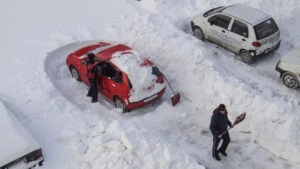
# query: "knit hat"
{"type": "Point", "coordinates": [91, 57]}
{"type": "Point", "coordinates": [222, 107]}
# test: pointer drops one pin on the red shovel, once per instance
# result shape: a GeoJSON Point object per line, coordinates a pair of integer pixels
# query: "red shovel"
{"type": "Point", "coordinates": [238, 119]}
{"type": "Point", "coordinates": [176, 96]}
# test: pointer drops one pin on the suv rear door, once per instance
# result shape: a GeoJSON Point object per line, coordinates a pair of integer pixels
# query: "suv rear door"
{"type": "Point", "coordinates": [219, 28]}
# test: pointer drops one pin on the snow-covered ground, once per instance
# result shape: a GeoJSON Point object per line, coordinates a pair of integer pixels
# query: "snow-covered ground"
{"type": "Point", "coordinates": [36, 37]}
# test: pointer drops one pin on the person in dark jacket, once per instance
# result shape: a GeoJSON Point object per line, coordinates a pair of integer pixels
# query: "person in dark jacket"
{"type": "Point", "coordinates": [218, 125]}
{"type": "Point", "coordinates": [92, 74]}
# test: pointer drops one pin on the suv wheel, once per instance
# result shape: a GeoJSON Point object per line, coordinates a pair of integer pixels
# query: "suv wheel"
{"type": "Point", "coordinates": [290, 80]}
{"type": "Point", "coordinates": [246, 57]}
{"type": "Point", "coordinates": [75, 73]}
{"type": "Point", "coordinates": [198, 33]}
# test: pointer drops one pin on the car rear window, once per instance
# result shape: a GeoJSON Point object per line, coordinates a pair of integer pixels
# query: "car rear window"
{"type": "Point", "coordinates": [265, 29]}
{"type": "Point", "coordinates": [212, 11]}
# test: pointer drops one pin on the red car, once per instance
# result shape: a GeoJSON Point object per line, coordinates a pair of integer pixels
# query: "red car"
{"type": "Point", "coordinates": [127, 79]}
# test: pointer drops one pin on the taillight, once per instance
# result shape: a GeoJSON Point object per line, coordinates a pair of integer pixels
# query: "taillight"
{"type": "Point", "coordinates": [38, 154]}
{"type": "Point", "coordinates": [160, 80]}
{"type": "Point", "coordinates": [256, 44]}
{"type": "Point", "coordinates": [34, 155]}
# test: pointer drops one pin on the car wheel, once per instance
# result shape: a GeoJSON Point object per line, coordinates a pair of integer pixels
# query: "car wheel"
{"type": "Point", "coordinates": [119, 104]}
{"type": "Point", "coordinates": [290, 80]}
{"type": "Point", "coordinates": [198, 33]}
{"type": "Point", "coordinates": [246, 57]}
{"type": "Point", "coordinates": [75, 73]}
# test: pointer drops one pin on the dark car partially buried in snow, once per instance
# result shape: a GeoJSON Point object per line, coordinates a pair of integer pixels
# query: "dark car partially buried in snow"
{"type": "Point", "coordinates": [128, 80]}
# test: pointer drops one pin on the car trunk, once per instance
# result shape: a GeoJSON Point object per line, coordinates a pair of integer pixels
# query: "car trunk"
{"type": "Point", "coordinates": [267, 34]}
{"type": "Point", "coordinates": [146, 80]}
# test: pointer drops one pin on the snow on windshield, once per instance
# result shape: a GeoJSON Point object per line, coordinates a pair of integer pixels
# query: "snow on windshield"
{"type": "Point", "coordinates": [141, 77]}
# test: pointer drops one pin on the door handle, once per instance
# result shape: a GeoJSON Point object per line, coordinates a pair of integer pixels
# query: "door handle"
{"type": "Point", "coordinates": [113, 85]}
{"type": "Point", "coordinates": [244, 40]}
{"type": "Point", "coordinates": [223, 31]}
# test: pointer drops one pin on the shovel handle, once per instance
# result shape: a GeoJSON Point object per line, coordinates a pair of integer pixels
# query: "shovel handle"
{"type": "Point", "coordinates": [169, 84]}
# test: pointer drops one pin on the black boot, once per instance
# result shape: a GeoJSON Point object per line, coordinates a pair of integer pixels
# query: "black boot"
{"type": "Point", "coordinates": [217, 158]}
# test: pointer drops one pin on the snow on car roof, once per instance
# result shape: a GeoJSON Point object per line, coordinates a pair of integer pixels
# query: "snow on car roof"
{"type": "Point", "coordinates": [15, 140]}
{"type": "Point", "coordinates": [292, 56]}
{"type": "Point", "coordinates": [248, 14]}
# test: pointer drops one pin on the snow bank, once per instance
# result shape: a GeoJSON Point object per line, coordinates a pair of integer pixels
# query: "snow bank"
{"type": "Point", "coordinates": [121, 145]}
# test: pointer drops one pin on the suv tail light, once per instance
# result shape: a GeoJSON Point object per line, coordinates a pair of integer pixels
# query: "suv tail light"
{"type": "Point", "coordinates": [256, 44]}
{"type": "Point", "coordinates": [34, 155]}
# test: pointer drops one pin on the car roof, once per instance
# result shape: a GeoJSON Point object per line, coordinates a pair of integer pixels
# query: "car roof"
{"type": "Point", "coordinates": [292, 57]}
{"type": "Point", "coordinates": [248, 14]}
{"type": "Point", "coordinates": [15, 139]}
{"type": "Point", "coordinates": [102, 50]}
{"type": "Point", "coordinates": [112, 52]}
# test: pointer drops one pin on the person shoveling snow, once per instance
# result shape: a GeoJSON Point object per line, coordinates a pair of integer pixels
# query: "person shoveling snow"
{"type": "Point", "coordinates": [219, 128]}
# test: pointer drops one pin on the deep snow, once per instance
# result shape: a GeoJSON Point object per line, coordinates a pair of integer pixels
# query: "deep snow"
{"type": "Point", "coordinates": [76, 134]}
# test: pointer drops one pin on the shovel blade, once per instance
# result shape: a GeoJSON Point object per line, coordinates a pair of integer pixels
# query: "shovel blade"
{"type": "Point", "coordinates": [175, 99]}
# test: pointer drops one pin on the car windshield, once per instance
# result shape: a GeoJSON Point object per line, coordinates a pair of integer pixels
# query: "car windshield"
{"type": "Point", "coordinates": [212, 11]}
{"type": "Point", "coordinates": [265, 29]}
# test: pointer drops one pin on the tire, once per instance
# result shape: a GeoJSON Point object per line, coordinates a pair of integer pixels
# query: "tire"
{"type": "Point", "coordinates": [119, 104]}
{"type": "Point", "coordinates": [198, 33]}
{"type": "Point", "coordinates": [290, 80]}
{"type": "Point", "coordinates": [246, 57]}
{"type": "Point", "coordinates": [74, 73]}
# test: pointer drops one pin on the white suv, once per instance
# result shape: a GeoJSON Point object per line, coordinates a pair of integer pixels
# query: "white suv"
{"type": "Point", "coordinates": [239, 28]}
{"type": "Point", "coordinates": [289, 68]}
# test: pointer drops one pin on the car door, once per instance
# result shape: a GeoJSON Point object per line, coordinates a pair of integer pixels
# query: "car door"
{"type": "Point", "coordinates": [111, 81]}
{"type": "Point", "coordinates": [82, 68]}
{"type": "Point", "coordinates": [238, 36]}
{"type": "Point", "coordinates": [219, 29]}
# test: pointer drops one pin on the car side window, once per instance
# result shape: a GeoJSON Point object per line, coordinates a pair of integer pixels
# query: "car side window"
{"type": "Point", "coordinates": [240, 28]}
{"type": "Point", "coordinates": [112, 73]}
{"type": "Point", "coordinates": [220, 21]}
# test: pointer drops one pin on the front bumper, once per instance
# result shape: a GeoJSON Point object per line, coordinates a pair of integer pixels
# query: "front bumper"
{"type": "Point", "coordinates": [278, 69]}
{"type": "Point", "coordinates": [146, 100]}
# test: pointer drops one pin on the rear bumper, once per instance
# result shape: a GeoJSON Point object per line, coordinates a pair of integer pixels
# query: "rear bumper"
{"type": "Point", "coordinates": [23, 164]}
{"type": "Point", "coordinates": [146, 100]}
{"type": "Point", "coordinates": [266, 51]}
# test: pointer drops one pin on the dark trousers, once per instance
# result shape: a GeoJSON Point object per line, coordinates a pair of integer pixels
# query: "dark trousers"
{"type": "Point", "coordinates": [93, 91]}
{"type": "Point", "coordinates": [216, 141]}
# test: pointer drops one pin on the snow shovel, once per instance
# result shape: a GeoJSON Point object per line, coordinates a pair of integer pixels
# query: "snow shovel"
{"type": "Point", "coordinates": [238, 119]}
{"type": "Point", "coordinates": [176, 96]}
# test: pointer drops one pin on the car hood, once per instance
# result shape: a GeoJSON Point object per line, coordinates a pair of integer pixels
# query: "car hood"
{"type": "Point", "coordinates": [292, 57]}
{"type": "Point", "coordinates": [15, 140]}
